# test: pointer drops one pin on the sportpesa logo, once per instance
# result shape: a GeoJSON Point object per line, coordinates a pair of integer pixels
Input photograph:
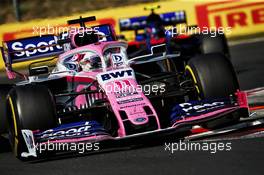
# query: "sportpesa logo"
{"type": "Point", "coordinates": [83, 130]}
{"type": "Point", "coordinates": [34, 46]}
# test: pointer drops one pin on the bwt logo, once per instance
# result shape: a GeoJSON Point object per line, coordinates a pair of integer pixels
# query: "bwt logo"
{"type": "Point", "coordinates": [231, 13]}
{"type": "Point", "coordinates": [117, 74]}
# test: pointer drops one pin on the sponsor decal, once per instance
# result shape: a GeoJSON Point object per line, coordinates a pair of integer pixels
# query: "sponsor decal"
{"type": "Point", "coordinates": [116, 74]}
{"type": "Point", "coordinates": [125, 94]}
{"type": "Point", "coordinates": [117, 59]}
{"type": "Point", "coordinates": [234, 14]}
{"type": "Point", "coordinates": [130, 100]}
{"type": "Point", "coordinates": [119, 74]}
{"type": "Point", "coordinates": [33, 47]}
{"type": "Point", "coordinates": [140, 119]}
{"type": "Point", "coordinates": [196, 108]}
{"type": "Point", "coordinates": [72, 132]}
{"type": "Point", "coordinates": [187, 107]}
{"type": "Point", "coordinates": [134, 105]}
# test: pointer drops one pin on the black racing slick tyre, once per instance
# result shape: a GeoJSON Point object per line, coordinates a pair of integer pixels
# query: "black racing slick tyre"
{"type": "Point", "coordinates": [29, 107]}
{"type": "Point", "coordinates": [4, 89]}
{"type": "Point", "coordinates": [213, 75]}
{"type": "Point", "coordinates": [213, 44]}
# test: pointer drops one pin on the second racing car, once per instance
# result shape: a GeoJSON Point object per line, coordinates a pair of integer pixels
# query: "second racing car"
{"type": "Point", "coordinates": [173, 30]}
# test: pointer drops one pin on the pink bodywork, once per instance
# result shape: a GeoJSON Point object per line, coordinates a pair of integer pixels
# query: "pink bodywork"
{"type": "Point", "coordinates": [134, 110]}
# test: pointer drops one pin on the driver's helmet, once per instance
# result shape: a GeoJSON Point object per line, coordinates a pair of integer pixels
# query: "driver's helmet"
{"type": "Point", "coordinates": [90, 62]}
{"type": "Point", "coordinates": [154, 26]}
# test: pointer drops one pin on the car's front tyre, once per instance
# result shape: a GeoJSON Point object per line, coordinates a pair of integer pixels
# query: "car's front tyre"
{"type": "Point", "coordinates": [29, 107]}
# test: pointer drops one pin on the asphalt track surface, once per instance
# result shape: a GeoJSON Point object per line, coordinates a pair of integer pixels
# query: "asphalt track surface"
{"type": "Point", "coordinates": [245, 157]}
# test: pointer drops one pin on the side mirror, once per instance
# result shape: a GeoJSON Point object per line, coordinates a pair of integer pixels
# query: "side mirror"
{"type": "Point", "coordinates": [38, 70]}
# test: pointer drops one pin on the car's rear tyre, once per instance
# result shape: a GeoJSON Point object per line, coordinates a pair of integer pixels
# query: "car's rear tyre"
{"type": "Point", "coordinates": [4, 89]}
{"type": "Point", "coordinates": [29, 107]}
{"type": "Point", "coordinates": [213, 44]}
{"type": "Point", "coordinates": [213, 77]}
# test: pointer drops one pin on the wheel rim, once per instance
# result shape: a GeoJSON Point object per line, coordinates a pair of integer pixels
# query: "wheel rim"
{"type": "Point", "coordinates": [13, 132]}
{"type": "Point", "coordinates": [190, 75]}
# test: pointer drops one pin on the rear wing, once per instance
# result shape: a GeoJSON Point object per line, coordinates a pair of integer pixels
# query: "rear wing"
{"type": "Point", "coordinates": [26, 49]}
{"type": "Point", "coordinates": [31, 48]}
{"type": "Point", "coordinates": [137, 23]}
{"type": "Point", "coordinates": [36, 47]}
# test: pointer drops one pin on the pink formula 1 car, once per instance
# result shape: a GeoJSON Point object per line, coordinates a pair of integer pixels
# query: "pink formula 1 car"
{"type": "Point", "coordinates": [95, 93]}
